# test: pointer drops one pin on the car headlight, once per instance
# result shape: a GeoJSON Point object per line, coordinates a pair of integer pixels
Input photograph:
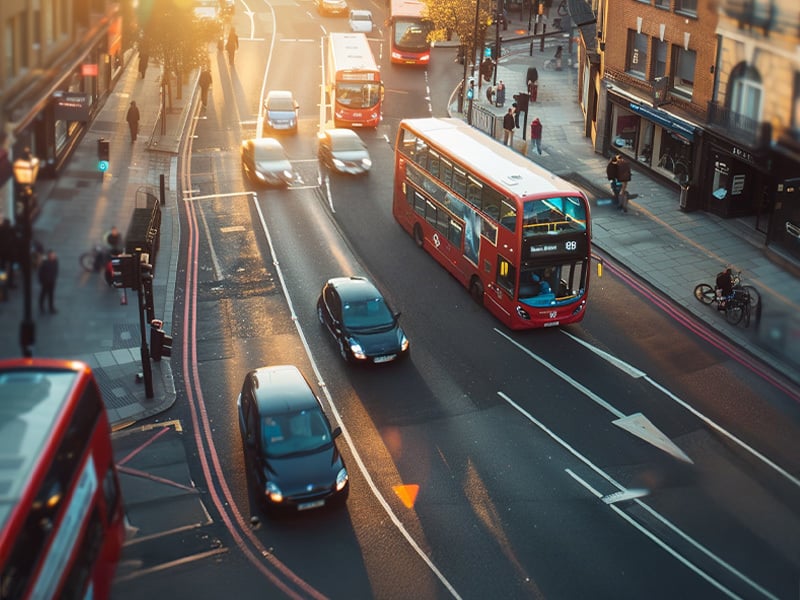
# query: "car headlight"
{"type": "Point", "coordinates": [341, 479]}
{"type": "Point", "coordinates": [404, 343]}
{"type": "Point", "coordinates": [288, 175]}
{"type": "Point", "coordinates": [366, 163]}
{"type": "Point", "coordinates": [356, 348]}
{"type": "Point", "coordinates": [338, 163]}
{"type": "Point", "coordinates": [274, 492]}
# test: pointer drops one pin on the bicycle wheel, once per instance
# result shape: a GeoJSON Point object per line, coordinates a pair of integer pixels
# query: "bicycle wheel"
{"type": "Point", "coordinates": [705, 293]}
{"type": "Point", "coordinates": [755, 297]}
{"type": "Point", "coordinates": [746, 315]}
{"type": "Point", "coordinates": [87, 261]}
{"type": "Point", "coordinates": [734, 312]}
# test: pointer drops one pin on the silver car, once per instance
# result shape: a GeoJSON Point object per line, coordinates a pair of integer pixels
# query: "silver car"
{"type": "Point", "coordinates": [342, 150]}
{"type": "Point", "coordinates": [265, 162]}
{"type": "Point", "coordinates": [361, 21]}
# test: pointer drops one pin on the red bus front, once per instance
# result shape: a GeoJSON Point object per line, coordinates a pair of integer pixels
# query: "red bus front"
{"type": "Point", "coordinates": [357, 99]}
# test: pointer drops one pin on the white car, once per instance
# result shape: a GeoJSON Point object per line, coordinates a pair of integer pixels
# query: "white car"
{"type": "Point", "coordinates": [361, 21]}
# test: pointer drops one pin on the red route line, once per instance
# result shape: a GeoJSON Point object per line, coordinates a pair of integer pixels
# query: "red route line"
{"type": "Point", "coordinates": [197, 404]}
{"type": "Point", "coordinates": [136, 451]}
{"type": "Point", "coordinates": [702, 331]}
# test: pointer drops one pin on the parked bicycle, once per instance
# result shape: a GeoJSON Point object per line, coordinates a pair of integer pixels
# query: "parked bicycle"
{"type": "Point", "coordinates": [739, 306]}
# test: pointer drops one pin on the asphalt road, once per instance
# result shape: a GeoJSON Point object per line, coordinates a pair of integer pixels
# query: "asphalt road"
{"type": "Point", "coordinates": [511, 437]}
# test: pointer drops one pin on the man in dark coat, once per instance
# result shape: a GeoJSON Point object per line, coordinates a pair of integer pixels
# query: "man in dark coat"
{"type": "Point", "coordinates": [623, 176]}
{"type": "Point", "coordinates": [232, 45]}
{"type": "Point", "coordinates": [205, 83]}
{"type": "Point", "coordinates": [508, 128]}
{"type": "Point", "coordinates": [48, 273]}
{"type": "Point", "coordinates": [133, 120]}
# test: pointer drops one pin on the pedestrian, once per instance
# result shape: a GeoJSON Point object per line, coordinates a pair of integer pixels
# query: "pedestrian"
{"type": "Point", "coordinates": [508, 128]}
{"type": "Point", "coordinates": [559, 52]}
{"type": "Point", "coordinates": [48, 273]}
{"type": "Point", "coordinates": [536, 134]}
{"type": "Point", "coordinates": [490, 94]}
{"type": "Point", "coordinates": [133, 120]}
{"type": "Point", "coordinates": [623, 176]}
{"type": "Point", "coordinates": [533, 90]}
{"type": "Point", "coordinates": [232, 45]}
{"type": "Point", "coordinates": [8, 246]}
{"type": "Point", "coordinates": [205, 83]}
{"type": "Point", "coordinates": [516, 114]}
{"type": "Point", "coordinates": [144, 59]}
{"type": "Point", "coordinates": [500, 93]}
{"type": "Point", "coordinates": [612, 173]}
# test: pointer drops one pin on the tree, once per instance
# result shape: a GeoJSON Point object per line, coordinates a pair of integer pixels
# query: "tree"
{"type": "Point", "coordinates": [176, 39]}
{"type": "Point", "coordinates": [458, 16]}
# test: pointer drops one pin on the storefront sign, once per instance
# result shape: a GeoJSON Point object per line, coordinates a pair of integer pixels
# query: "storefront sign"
{"type": "Point", "coordinates": [680, 127]}
{"type": "Point", "coordinates": [743, 154]}
{"type": "Point", "coordinates": [71, 106]}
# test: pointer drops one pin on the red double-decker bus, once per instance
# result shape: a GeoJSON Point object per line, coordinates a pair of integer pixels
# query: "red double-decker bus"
{"type": "Point", "coordinates": [61, 514]}
{"type": "Point", "coordinates": [353, 81]}
{"type": "Point", "coordinates": [408, 38]}
{"type": "Point", "coordinates": [512, 233]}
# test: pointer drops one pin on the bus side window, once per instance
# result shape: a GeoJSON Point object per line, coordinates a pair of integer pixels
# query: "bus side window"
{"type": "Point", "coordinates": [454, 233]}
{"type": "Point", "coordinates": [509, 216]}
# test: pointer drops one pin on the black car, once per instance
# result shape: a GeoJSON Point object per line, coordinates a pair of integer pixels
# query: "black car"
{"type": "Point", "coordinates": [265, 162]}
{"type": "Point", "coordinates": [361, 322]}
{"type": "Point", "coordinates": [288, 441]}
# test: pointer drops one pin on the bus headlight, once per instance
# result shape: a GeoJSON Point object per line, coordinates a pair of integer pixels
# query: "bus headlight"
{"type": "Point", "coordinates": [522, 313]}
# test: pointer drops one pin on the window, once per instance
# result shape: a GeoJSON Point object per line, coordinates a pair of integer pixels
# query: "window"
{"type": "Point", "coordinates": [683, 71]}
{"type": "Point", "coordinates": [746, 92]}
{"type": "Point", "coordinates": [506, 274]}
{"type": "Point", "coordinates": [659, 58]}
{"type": "Point", "coordinates": [795, 116]}
{"type": "Point", "coordinates": [637, 54]}
{"type": "Point", "coordinates": [665, 4]}
{"type": "Point", "coordinates": [688, 7]}
{"type": "Point", "coordinates": [8, 67]}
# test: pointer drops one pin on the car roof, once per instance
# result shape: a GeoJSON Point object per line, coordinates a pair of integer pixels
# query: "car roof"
{"type": "Point", "coordinates": [266, 143]}
{"type": "Point", "coordinates": [341, 133]}
{"type": "Point", "coordinates": [354, 288]}
{"type": "Point", "coordinates": [361, 13]}
{"type": "Point", "coordinates": [282, 389]}
{"type": "Point", "coordinates": [279, 94]}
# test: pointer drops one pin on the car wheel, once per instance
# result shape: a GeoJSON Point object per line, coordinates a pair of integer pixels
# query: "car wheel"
{"type": "Point", "coordinates": [343, 350]}
{"type": "Point", "coordinates": [476, 291]}
{"type": "Point", "coordinates": [418, 239]}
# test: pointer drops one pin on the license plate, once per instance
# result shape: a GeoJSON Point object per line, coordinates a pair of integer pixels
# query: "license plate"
{"type": "Point", "coordinates": [387, 358]}
{"type": "Point", "coordinates": [552, 324]}
{"type": "Point", "coordinates": [309, 505]}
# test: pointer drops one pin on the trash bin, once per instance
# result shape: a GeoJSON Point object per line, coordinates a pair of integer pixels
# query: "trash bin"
{"type": "Point", "coordinates": [684, 201]}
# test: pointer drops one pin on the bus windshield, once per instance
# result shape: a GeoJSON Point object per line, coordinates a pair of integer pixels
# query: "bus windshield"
{"type": "Point", "coordinates": [358, 95]}
{"type": "Point", "coordinates": [553, 215]}
{"type": "Point", "coordinates": [410, 35]}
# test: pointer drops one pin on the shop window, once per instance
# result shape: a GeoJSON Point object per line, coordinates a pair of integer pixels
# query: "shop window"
{"type": "Point", "coordinates": [625, 130]}
{"type": "Point", "coordinates": [687, 7]}
{"type": "Point", "coordinates": [674, 157]}
{"type": "Point", "coordinates": [746, 93]}
{"type": "Point", "coordinates": [683, 66]}
{"type": "Point", "coordinates": [659, 58]}
{"type": "Point", "coordinates": [645, 147]}
{"type": "Point", "coordinates": [637, 54]}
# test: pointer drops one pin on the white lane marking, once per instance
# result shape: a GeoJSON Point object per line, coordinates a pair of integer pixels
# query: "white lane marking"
{"type": "Point", "coordinates": [617, 362]}
{"type": "Point", "coordinates": [718, 428]}
{"type": "Point", "coordinates": [345, 432]}
{"type": "Point", "coordinates": [643, 428]}
{"type": "Point", "coordinates": [697, 545]}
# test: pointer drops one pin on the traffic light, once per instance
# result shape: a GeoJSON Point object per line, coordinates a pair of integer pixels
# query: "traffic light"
{"type": "Point", "coordinates": [145, 268]}
{"type": "Point", "coordinates": [103, 153]}
{"type": "Point", "coordinates": [160, 342]}
{"type": "Point", "coordinates": [471, 89]}
{"type": "Point", "coordinates": [123, 271]}
{"type": "Point", "coordinates": [522, 101]}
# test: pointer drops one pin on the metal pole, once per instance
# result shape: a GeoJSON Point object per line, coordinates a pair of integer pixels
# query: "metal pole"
{"type": "Point", "coordinates": [147, 371]}
{"type": "Point", "coordinates": [162, 189]}
{"type": "Point", "coordinates": [27, 332]}
{"type": "Point", "coordinates": [475, 46]}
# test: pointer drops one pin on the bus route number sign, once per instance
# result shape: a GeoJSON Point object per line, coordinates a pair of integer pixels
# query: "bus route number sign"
{"type": "Point", "coordinates": [563, 246]}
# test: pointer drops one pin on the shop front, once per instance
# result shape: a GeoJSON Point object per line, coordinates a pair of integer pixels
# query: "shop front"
{"type": "Point", "coordinates": [655, 140]}
{"type": "Point", "coordinates": [737, 180]}
{"type": "Point", "coordinates": [784, 227]}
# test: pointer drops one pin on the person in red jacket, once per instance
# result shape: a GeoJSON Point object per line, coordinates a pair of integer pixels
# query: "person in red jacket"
{"type": "Point", "coordinates": [536, 134]}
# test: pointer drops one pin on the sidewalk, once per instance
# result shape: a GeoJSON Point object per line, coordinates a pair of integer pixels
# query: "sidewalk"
{"type": "Point", "coordinates": [669, 249]}
{"type": "Point", "coordinates": [77, 209]}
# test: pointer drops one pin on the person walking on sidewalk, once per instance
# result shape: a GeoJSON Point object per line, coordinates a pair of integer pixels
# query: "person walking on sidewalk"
{"type": "Point", "coordinates": [144, 58]}
{"type": "Point", "coordinates": [205, 83]}
{"type": "Point", "coordinates": [48, 273]}
{"type": "Point", "coordinates": [508, 128]}
{"type": "Point", "coordinates": [232, 45]}
{"type": "Point", "coordinates": [133, 120]}
{"type": "Point", "coordinates": [612, 174]}
{"type": "Point", "coordinates": [623, 176]}
{"type": "Point", "coordinates": [536, 134]}
{"type": "Point", "coordinates": [500, 93]}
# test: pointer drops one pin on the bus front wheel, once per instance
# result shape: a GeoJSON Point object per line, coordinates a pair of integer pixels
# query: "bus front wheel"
{"type": "Point", "coordinates": [476, 291]}
{"type": "Point", "coordinates": [418, 239]}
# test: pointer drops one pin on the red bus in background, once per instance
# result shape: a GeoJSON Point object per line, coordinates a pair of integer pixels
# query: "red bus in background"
{"type": "Point", "coordinates": [353, 81]}
{"type": "Point", "coordinates": [61, 514]}
{"type": "Point", "coordinates": [408, 37]}
{"type": "Point", "coordinates": [515, 235]}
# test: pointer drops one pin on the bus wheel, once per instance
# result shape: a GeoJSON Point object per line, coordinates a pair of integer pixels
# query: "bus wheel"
{"type": "Point", "coordinates": [418, 236]}
{"type": "Point", "coordinates": [476, 291]}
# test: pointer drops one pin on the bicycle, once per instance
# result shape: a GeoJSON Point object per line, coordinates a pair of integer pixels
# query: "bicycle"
{"type": "Point", "coordinates": [98, 259]}
{"type": "Point", "coordinates": [738, 307]}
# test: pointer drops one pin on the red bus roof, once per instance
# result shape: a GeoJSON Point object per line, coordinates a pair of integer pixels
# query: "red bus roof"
{"type": "Point", "coordinates": [33, 395]}
{"type": "Point", "coordinates": [486, 157]}
{"type": "Point", "coordinates": [351, 52]}
{"type": "Point", "coordinates": [407, 8]}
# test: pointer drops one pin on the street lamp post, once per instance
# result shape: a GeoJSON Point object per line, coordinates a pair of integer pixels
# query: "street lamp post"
{"type": "Point", "coordinates": [26, 168]}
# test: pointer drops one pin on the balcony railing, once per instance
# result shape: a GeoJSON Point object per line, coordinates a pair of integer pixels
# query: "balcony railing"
{"type": "Point", "coordinates": [740, 127]}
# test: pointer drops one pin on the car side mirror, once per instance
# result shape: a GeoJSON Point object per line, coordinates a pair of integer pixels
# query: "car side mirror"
{"type": "Point", "coordinates": [337, 431]}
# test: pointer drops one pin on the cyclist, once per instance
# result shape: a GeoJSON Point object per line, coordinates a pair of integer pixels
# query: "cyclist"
{"type": "Point", "coordinates": [724, 287]}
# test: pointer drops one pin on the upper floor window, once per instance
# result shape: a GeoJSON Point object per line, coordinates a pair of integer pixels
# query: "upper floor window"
{"type": "Point", "coordinates": [796, 105]}
{"type": "Point", "coordinates": [665, 4]}
{"type": "Point", "coordinates": [683, 66]}
{"type": "Point", "coordinates": [636, 63]}
{"type": "Point", "coordinates": [745, 92]}
{"type": "Point", "coordinates": [686, 6]}
{"type": "Point", "coordinates": [659, 58]}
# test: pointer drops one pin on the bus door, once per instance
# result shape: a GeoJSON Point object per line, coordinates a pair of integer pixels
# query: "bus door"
{"type": "Point", "coordinates": [501, 289]}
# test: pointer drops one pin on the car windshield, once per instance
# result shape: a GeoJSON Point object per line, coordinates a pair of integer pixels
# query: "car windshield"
{"type": "Point", "coordinates": [371, 313]}
{"type": "Point", "coordinates": [281, 104]}
{"type": "Point", "coordinates": [270, 153]}
{"type": "Point", "coordinates": [294, 433]}
{"type": "Point", "coordinates": [361, 17]}
{"type": "Point", "coordinates": [347, 143]}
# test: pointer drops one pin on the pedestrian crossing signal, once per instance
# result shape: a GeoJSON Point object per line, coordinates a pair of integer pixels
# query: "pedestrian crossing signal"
{"type": "Point", "coordinates": [103, 155]}
{"type": "Point", "coordinates": [102, 166]}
